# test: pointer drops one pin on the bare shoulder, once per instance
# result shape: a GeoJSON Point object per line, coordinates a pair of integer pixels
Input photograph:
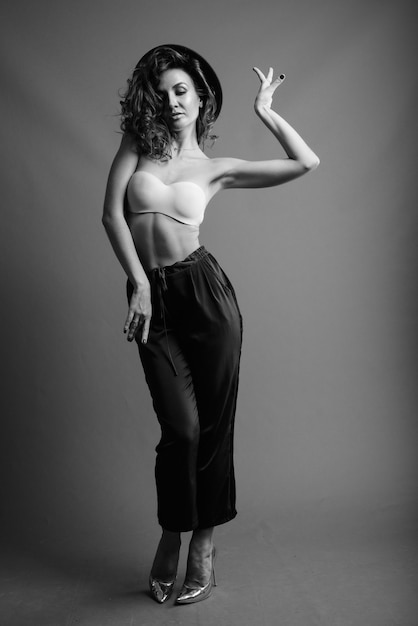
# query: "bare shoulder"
{"type": "Point", "coordinates": [222, 164]}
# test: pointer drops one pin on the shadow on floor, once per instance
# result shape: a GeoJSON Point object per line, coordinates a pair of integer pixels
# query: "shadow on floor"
{"type": "Point", "coordinates": [315, 569]}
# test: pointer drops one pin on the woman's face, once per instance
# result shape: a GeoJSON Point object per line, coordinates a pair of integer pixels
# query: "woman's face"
{"type": "Point", "coordinates": [181, 101]}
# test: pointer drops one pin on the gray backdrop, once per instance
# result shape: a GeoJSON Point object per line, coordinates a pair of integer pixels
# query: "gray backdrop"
{"type": "Point", "coordinates": [324, 267]}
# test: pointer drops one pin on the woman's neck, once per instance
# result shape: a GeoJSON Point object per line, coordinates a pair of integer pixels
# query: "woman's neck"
{"type": "Point", "coordinates": [185, 142]}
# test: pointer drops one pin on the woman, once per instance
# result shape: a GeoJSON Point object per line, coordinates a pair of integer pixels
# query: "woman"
{"type": "Point", "coordinates": [183, 311]}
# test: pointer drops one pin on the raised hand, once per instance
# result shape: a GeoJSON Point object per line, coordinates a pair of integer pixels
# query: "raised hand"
{"type": "Point", "coordinates": [267, 88]}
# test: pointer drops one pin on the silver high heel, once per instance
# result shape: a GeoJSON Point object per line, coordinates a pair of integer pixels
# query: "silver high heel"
{"type": "Point", "coordinates": [189, 595]}
{"type": "Point", "coordinates": [160, 591]}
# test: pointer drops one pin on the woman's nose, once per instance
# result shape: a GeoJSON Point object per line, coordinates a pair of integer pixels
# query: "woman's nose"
{"type": "Point", "coordinates": [172, 100]}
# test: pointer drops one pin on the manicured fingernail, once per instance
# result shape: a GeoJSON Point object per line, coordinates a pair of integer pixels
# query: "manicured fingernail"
{"type": "Point", "coordinates": [282, 76]}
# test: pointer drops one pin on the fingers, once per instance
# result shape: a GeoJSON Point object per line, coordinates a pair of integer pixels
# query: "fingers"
{"type": "Point", "coordinates": [269, 77]}
{"type": "Point", "coordinates": [259, 74]}
{"type": "Point", "coordinates": [280, 79]}
{"type": "Point", "coordinates": [145, 330]}
{"type": "Point", "coordinates": [132, 325]}
{"type": "Point", "coordinates": [129, 321]}
{"type": "Point", "coordinates": [139, 315]}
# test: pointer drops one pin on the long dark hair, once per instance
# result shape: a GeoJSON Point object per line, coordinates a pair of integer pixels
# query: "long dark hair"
{"type": "Point", "coordinates": [142, 106]}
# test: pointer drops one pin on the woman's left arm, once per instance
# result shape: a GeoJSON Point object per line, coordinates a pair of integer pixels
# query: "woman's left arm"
{"type": "Point", "coordinates": [301, 159]}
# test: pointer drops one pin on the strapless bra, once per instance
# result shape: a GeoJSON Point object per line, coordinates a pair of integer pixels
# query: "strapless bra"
{"type": "Point", "coordinates": [183, 201]}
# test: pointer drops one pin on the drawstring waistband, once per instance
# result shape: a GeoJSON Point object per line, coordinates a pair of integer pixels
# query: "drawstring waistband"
{"type": "Point", "coordinates": [161, 287]}
{"type": "Point", "coordinates": [158, 276]}
{"type": "Point", "coordinates": [161, 276]}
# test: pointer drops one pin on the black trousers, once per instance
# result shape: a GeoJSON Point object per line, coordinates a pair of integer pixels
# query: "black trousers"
{"type": "Point", "coordinates": [191, 364]}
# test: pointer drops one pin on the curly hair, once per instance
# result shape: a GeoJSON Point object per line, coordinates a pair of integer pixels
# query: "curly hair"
{"type": "Point", "coordinates": [142, 106]}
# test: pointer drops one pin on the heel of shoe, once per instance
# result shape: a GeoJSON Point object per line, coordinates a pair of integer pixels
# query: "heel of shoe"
{"type": "Point", "coordinates": [213, 567]}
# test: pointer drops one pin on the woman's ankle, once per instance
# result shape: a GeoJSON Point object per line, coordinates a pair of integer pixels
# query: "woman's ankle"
{"type": "Point", "coordinates": [202, 539]}
{"type": "Point", "coordinates": [167, 556]}
{"type": "Point", "coordinates": [169, 538]}
{"type": "Point", "coordinates": [200, 558]}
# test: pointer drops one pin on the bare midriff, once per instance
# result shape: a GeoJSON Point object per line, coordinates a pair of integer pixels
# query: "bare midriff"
{"type": "Point", "coordinates": [161, 240]}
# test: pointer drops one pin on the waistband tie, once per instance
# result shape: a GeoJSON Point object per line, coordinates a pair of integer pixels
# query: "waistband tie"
{"type": "Point", "coordinates": [162, 286]}
{"type": "Point", "coordinates": [162, 279]}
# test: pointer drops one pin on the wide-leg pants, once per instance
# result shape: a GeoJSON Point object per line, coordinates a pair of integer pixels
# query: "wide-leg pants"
{"type": "Point", "coordinates": [191, 365]}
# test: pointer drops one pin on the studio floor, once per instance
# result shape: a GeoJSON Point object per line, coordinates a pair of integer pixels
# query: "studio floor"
{"type": "Point", "coordinates": [313, 569]}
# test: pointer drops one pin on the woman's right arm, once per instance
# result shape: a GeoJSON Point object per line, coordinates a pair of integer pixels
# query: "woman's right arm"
{"type": "Point", "coordinates": [123, 166]}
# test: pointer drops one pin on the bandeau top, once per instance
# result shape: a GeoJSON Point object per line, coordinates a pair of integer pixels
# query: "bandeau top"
{"type": "Point", "coordinates": [183, 201]}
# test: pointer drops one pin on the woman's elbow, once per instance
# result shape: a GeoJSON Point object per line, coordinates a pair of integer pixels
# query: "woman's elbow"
{"type": "Point", "coordinates": [312, 163]}
{"type": "Point", "coordinates": [108, 220]}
